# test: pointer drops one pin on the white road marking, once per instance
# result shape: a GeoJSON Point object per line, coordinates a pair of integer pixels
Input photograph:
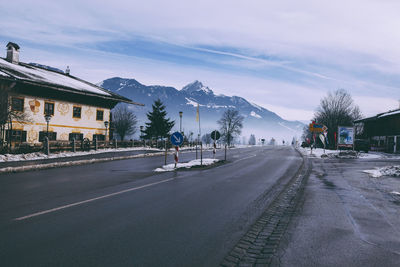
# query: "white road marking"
{"type": "Point", "coordinates": [90, 200]}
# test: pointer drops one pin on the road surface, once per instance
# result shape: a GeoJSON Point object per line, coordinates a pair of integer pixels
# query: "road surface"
{"type": "Point", "coordinates": [348, 218]}
{"type": "Point", "coordinates": [122, 213]}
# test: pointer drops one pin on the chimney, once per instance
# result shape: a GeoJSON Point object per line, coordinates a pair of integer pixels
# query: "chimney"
{"type": "Point", "coordinates": [67, 70]}
{"type": "Point", "coordinates": [12, 53]}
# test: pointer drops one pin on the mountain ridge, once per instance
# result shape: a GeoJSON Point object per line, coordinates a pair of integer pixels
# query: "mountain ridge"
{"type": "Point", "coordinates": [257, 120]}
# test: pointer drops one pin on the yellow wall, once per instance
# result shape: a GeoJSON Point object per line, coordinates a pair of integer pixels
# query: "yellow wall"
{"type": "Point", "coordinates": [62, 121]}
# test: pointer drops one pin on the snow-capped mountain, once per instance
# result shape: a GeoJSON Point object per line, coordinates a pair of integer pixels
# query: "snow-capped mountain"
{"type": "Point", "coordinates": [258, 120]}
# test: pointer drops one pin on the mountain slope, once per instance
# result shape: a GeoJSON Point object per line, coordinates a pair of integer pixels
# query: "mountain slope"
{"type": "Point", "coordinates": [258, 120]}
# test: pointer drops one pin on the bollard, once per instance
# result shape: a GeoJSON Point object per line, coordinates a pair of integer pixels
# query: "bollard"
{"type": "Point", "coordinates": [73, 145]}
{"type": "Point", "coordinates": [115, 142]}
{"type": "Point", "coordinates": [95, 143]}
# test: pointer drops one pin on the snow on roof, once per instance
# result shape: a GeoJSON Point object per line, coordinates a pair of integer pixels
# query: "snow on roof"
{"type": "Point", "coordinates": [390, 113]}
{"type": "Point", "coordinates": [4, 74]}
{"type": "Point", "coordinates": [35, 74]}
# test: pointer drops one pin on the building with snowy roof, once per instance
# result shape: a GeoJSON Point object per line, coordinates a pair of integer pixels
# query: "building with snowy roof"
{"type": "Point", "coordinates": [76, 108]}
{"type": "Point", "coordinates": [381, 130]}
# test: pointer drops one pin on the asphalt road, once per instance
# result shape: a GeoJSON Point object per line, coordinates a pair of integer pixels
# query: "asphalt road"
{"type": "Point", "coordinates": [121, 213]}
{"type": "Point", "coordinates": [348, 218]}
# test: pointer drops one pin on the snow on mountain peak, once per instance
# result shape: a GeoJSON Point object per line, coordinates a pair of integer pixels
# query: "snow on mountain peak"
{"type": "Point", "coordinates": [197, 86]}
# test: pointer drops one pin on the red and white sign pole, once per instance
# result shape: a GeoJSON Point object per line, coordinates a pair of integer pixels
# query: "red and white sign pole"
{"type": "Point", "coordinates": [176, 155]}
{"type": "Point", "coordinates": [214, 149]}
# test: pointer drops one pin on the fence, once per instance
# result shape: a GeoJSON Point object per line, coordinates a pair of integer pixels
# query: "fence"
{"type": "Point", "coordinates": [86, 145]}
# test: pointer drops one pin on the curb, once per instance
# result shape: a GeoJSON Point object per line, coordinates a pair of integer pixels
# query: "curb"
{"type": "Point", "coordinates": [259, 245]}
{"type": "Point", "coordinates": [44, 166]}
{"type": "Point", "coordinates": [72, 163]}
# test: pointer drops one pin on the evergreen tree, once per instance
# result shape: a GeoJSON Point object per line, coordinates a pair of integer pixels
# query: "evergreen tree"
{"type": "Point", "coordinates": [158, 125]}
{"type": "Point", "coordinates": [252, 140]}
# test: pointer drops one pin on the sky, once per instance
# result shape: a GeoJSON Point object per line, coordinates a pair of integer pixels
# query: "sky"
{"type": "Point", "coordinates": [282, 55]}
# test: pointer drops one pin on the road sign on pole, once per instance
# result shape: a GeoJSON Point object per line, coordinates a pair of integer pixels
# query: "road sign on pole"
{"type": "Point", "coordinates": [215, 135]}
{"type": "Point", "coordinates": [177, 139]}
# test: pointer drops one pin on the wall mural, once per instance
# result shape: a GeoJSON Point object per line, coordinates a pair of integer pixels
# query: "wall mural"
{"type": "Point", "coordinates": [89, 136]}
{"type": "Point", "coordinates": [34, 105]}
{"type": "Point", "coordinates": [32, 136]}
{"type": "Point", "coordinates": [64, 136]}
{"type": "Point", "coordinates": [89, 113]}
{"type": "Point", "coordinates": [63, 108]}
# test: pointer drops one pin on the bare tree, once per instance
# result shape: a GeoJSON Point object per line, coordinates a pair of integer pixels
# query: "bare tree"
{"type": "Point", "coordinates": [337, 109]}
{"type": "Point", "coordinates": [124, 121]}
{"type": "Point", "coordinates": [231, 124]}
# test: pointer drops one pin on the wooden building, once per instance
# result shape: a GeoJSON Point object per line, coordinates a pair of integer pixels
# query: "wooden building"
{"type": "Point", "coordinates": [382, 131]}
{"type": "Point", "coordinates": [76, 108]}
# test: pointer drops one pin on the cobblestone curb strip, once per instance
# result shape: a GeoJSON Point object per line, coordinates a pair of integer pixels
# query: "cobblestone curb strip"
{"type": "Point", "coordinates": [72, 163]}
{"type": "Point", "coordinates": [258, 246]}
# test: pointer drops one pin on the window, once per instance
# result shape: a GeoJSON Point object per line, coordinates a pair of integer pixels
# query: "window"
{"type": "Point", "coordinates": [16, 135]}
{"type": "Point", "coordinates": [17, 104]}
{"type": "Point", "coordinates": [77, 112]}
{"type": "Point", "coordinates": [76, 136]}
{"type": "Point", "coordinates": [43, 134]}
{"type": "Point", "coordinates": [99, 115]}
{"type": "Point", "coordinates": [49, 108]}
{"type": "Point", "coordinates": [100, 137]}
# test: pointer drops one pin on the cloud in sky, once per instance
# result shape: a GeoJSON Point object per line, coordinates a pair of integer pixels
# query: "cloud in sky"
{"type": "Point", "coordinates": [284, 55]}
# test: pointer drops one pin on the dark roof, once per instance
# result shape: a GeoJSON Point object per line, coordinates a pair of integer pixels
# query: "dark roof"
{"type": "Point", "coordinates": [13, 45]}
{"type": "Point", "coordinates": [38, 76]}
{"type": "Point", "coordinates": [380, 115]}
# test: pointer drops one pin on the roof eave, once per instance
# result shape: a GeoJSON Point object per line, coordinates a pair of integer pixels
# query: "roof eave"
{"type": "Point", "coordinates": [71, 90]}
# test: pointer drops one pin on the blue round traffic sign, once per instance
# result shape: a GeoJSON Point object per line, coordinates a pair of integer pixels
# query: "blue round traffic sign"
{"type": "Point", "coordinates": [177, 139]}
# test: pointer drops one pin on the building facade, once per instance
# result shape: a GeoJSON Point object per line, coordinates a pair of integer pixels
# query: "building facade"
{"type": "Point", "coordinates": [382, 131]}
{"type": "Point", "coordinates": [74, 109]}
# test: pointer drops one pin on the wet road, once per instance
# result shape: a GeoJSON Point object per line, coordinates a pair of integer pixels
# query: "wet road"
{"type": "Point", "coordinates": [348, 218]}
{"type": "Point", "coordinates": [121, 213]}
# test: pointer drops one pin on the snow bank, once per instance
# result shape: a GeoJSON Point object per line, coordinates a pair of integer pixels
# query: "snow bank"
{"type": "Point", "coordinates": [188, 165]}
{"type": "Point", "coordinates": [385, 171]}
{"type": "Point", "coordinates": [72, 163]}
{"type": "Point", "coordinates": [41, 155]}
{"type": "Point", "coordinates": [319, 153]}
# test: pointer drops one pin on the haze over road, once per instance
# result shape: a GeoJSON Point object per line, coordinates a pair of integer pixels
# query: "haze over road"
{"type": "Point", "coordinates": [121, 213]}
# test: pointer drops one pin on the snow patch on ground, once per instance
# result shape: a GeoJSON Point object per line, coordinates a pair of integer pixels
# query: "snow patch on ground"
{"type": "Point", "coordinates": [188, 165]}
{"type": "Point", "coordinates": [319, 153]}
{"type": "Point", "coordinates": [384, 171]}
{"type": "Point", "coordinates": [41, 155]}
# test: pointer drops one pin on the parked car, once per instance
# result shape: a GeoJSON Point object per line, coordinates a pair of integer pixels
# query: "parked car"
{"type": "Point", "coordinates": [362, 145]}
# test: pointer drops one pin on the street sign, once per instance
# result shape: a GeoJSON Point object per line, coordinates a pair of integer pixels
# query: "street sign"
{"type": "Point", "coordinates": [177, 139]}
{"type": "Point", "coordinates": [215, 135]}
{"type": "Point", "coordinates": [317, 128]}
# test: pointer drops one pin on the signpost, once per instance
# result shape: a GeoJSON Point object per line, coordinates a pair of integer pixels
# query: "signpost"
{"type": "Point", "coordinates": [176, 140]}
{"type": "Point", "coordinates": [215, 135]}
{"type": "Point", "coordinates": [317, 128]}
{"type": "Point", "coordinates": [321, 131]}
